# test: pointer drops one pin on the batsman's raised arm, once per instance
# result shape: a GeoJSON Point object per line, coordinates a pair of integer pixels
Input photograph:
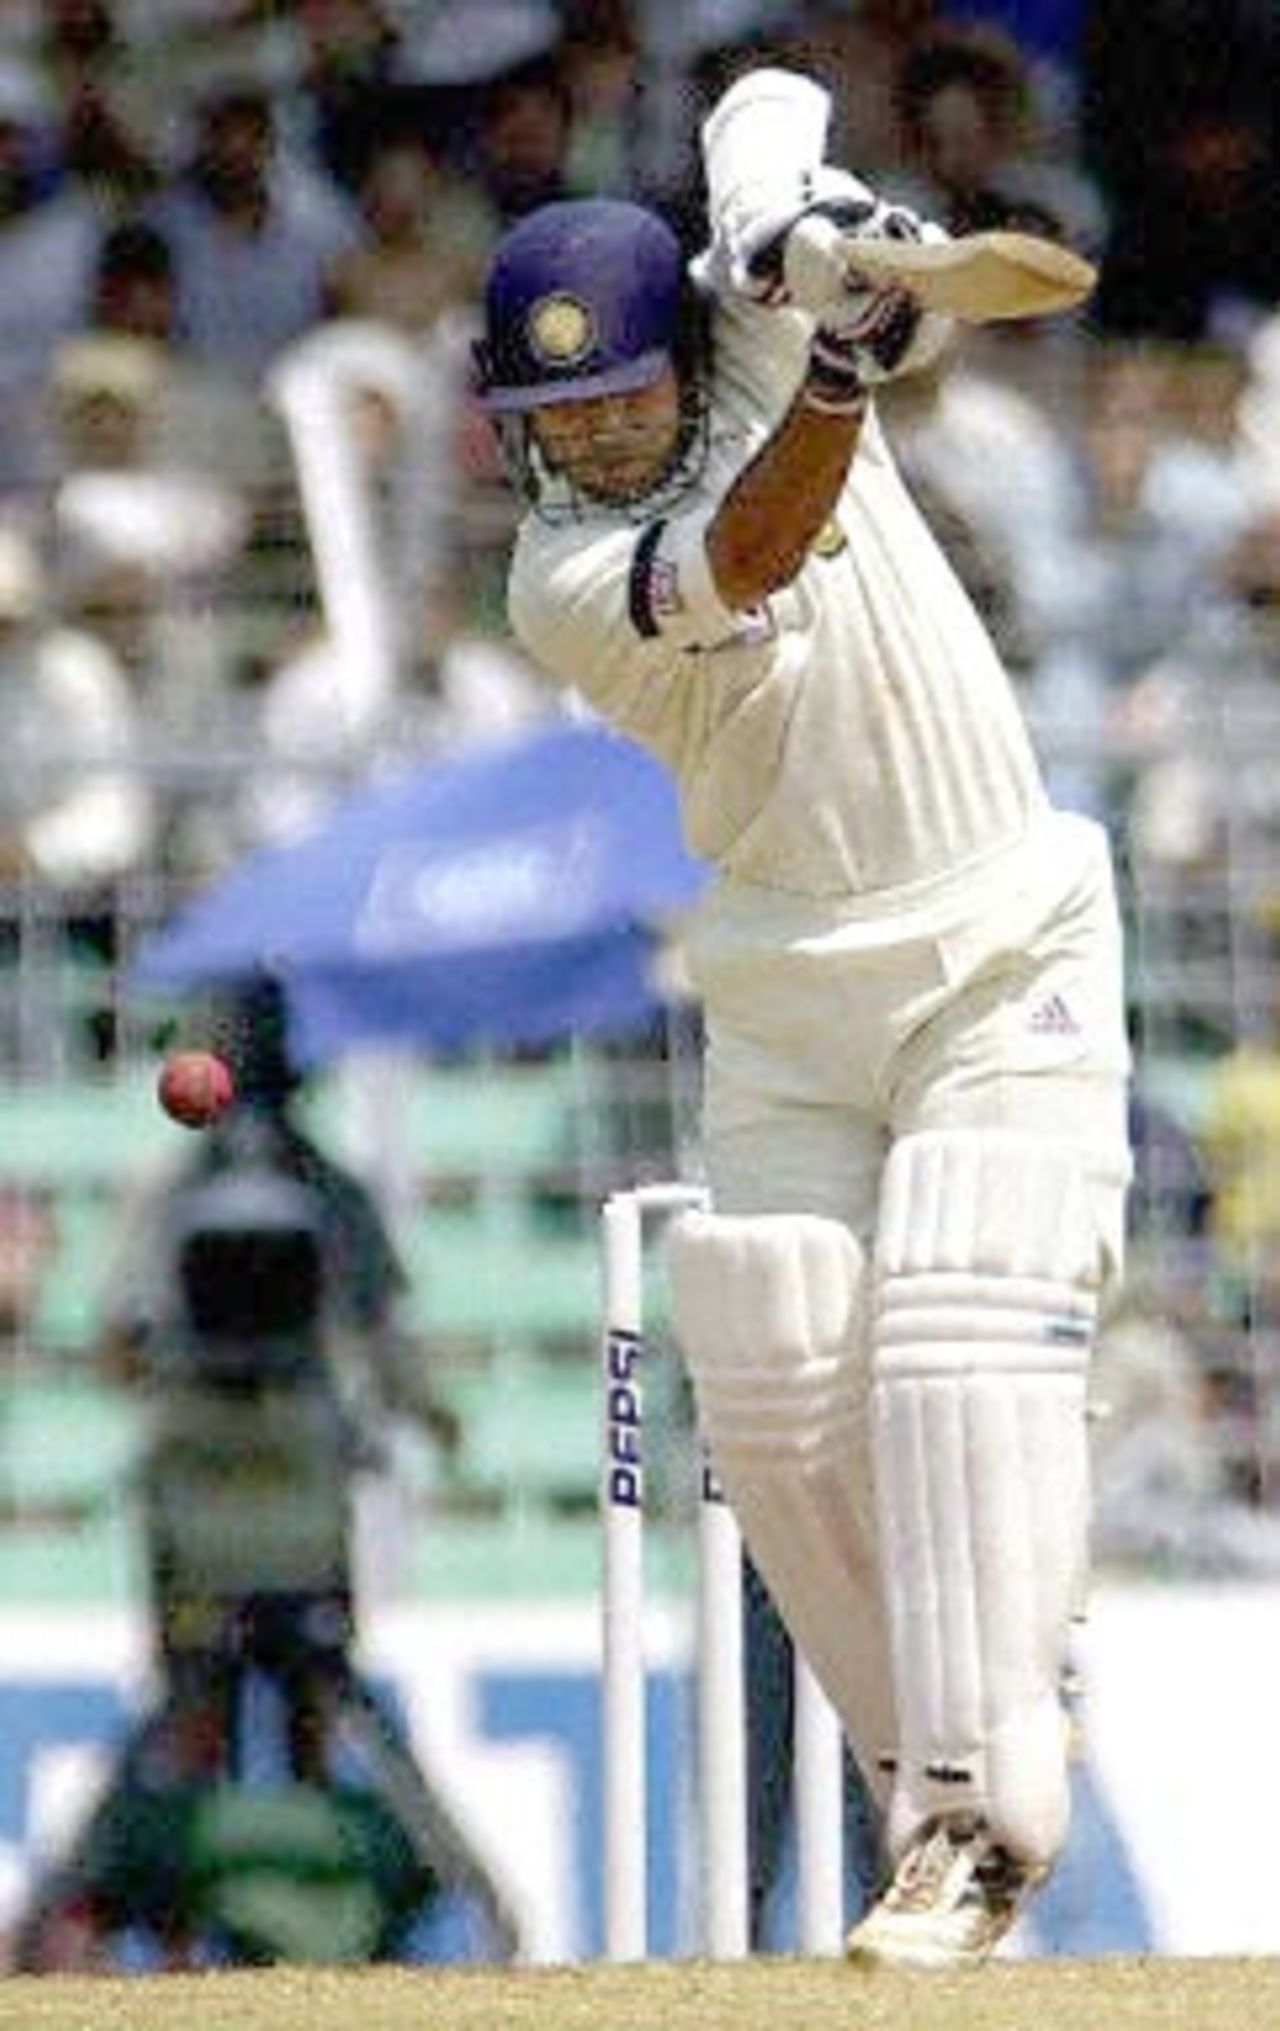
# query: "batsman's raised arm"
{"type": "Point", "coordinates": [781, 222]}
{"type": "Point", "coordinates": [774, 512]}
{"type": "Point", "coordinates": [776, 509]}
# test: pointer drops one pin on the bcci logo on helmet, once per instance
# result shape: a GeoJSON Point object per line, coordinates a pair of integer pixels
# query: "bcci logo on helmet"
{"type": "Point", "coordinates": [561, 329]}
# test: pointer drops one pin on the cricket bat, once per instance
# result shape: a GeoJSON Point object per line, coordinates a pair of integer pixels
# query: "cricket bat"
{"type": "Point", "coordinates": [981, 278]}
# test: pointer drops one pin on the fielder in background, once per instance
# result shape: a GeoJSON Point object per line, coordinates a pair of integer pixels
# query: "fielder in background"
{"type": "Point", "coordinates": [910, 963]}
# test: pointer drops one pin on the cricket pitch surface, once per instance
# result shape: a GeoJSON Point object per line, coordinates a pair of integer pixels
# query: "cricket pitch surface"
{"type": "Point", "coordinates": [778, 1994]}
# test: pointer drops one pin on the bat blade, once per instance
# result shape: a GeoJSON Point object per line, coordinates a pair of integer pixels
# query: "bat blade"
{"type": "Point", "coordinates": [982, 278]}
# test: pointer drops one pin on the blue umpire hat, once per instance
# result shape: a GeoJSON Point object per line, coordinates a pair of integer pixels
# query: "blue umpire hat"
{"type": "Point", "coordinates": [584, 298]}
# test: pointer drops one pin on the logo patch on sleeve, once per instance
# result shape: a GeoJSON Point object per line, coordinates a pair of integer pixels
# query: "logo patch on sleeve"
{"type": "Point", "coordinates": [664, 589]}
{"type": "Point", "coordinates": [653, 589]}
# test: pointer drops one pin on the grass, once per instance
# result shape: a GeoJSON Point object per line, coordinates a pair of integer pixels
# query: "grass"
{"type": "Point", "coordinates": [762, 1995]}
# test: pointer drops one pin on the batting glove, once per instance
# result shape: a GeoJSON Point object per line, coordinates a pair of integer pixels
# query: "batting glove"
{"type": "Point", "coordinates": [816, 261]}
{"type": "Point", "coordinates": [879, 332]}
{"type": "Point", "coordinates": [835, 206]}
{"type": "Point", "coordinates": [874, 338]}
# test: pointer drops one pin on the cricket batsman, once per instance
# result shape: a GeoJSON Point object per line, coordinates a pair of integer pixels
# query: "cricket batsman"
{"type": "Point", "coordinates": [910, 964]}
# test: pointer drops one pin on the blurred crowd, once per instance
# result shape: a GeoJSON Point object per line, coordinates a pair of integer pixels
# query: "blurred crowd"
{"type": "Point", "coordinates": [253, 530]}
{"type": "Point", "coordinates": [246, 506]}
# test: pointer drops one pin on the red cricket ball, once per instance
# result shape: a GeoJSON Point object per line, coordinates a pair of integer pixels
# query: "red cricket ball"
{"type": "Point", "coordinates": [194, 1088]}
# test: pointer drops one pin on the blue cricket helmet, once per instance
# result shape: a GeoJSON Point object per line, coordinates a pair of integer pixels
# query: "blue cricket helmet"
{"type": "Point", "coordinates": [585, 297]}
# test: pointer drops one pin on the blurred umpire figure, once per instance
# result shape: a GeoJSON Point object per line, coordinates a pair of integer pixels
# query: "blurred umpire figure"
{"type": "Point", "coordinates": [268, 1808]}
{"type": "Point", "coordinates": [910, 966]}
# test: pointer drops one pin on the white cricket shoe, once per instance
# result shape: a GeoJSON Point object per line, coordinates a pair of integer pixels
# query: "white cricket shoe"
{"type": "Point", "coordinates": [954, 1895]}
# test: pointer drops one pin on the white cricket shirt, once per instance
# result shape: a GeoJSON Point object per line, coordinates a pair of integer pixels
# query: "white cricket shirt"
{"type": "Point", "coordinates": [856, 736]}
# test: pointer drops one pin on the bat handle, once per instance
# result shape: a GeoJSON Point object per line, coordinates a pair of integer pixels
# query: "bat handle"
{"type": "Point", "coordinates": [818, 267]}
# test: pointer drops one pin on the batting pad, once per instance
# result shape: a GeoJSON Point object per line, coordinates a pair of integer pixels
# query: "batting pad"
{"type": "Point", "coordinates": [770, 1315]}
{"type": "Point", "coordinates": [987, 1270]}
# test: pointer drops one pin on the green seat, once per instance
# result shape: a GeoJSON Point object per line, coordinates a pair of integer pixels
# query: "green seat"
{"type": "Point", "coordinates": [530, 1431]}
{"type": "Point", "coordinates": [95, 1563]}
{"type": "Point", "coordinates": [80, 1145]}
{"type": "Point", "coordinates": [82, 1133]}
{"type": "Point", "coordinates": [67, 1307]}
{"type": "Point", "coordinates": [515, 1122]}
{"type": "Point", "coordinates": [68, 1446]}
{"type": "Point", "coordinates": [492, 1250]}
{"type": "Point", "coordinates": [1180, 1086]}
{"type": "Point", "coordinates": [68, 1442]}
{"type": "Point", "coordinates": [489, 1270]}
{"type": "Point", "coordinates": [512, 1557]}
{"type": "Point", "coordinates": [471, 1121]}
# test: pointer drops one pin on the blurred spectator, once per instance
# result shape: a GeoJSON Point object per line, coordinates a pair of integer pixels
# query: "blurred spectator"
{"type": "Point", "coordinates": [601, 59]}
{"type": "Point", "coordinates": [116, 492]}
{"type": "Point", "coordinates": [398, 664]}
{"type": "Point", "coordinates": [254, 234]}
{"type": "Point", "coordinates": [859, 52]}
{"type": "Point", "coordinates": [523, 138]}
{"type": "Point", "coordinates": [953, 426]}
{"type": "Point", "coordinates": [28, 1244]}
{"type": "Point", "coordinates": [1120, 507]}
{"type": "Point", "coordinates": [975, 145]}
{"type": "Point", "coordinates": [1259, 409]}
{"type": "Point", "coordinates": [1181, 124]}
{"type": "Point", "coordinates": [425, 240]}
{"type": "Point", "coordinates": [133, 285]}
{"type": "Point", "coordinates": [78, 38]}
{"type": "Point", "coordinates": [370, 417]}
{"type": "Point", "coordinates": [1208, 713]}
{"type": "Point", "coordinates": [73, 811]}
{"type": "Point", "coordinates": [142, 531]}
{"type": "Point", "coordinates": [193, 413]}
{"type": "Point", "coordinates": [348, 92]}
{"type": "Point", "coordinates": [1205, 400]}
{"type": "Point", "coordinates": [464, 45]}
{"type": "Point", "coordinates": [1177, 1433]}
{"type": "Point", "coordinates": [89, 62]}
{"type": "Point", "coordinates": [76, 816]}
{"type": "Point", "coordinates": [1172, 1196]}
{"type": "Point", "coordinates": [48, 237]}
{"type": "Point", "coordinates": [1240, 1139]}
{"type": "Point", "coordinates": [72, 163]}
{"type": "Point", "coordinates": [194, 419]}
{"type": "Point", "coordinates": [1149, 519]}
{"type": "Point", "coordinates": [1163, 1495]}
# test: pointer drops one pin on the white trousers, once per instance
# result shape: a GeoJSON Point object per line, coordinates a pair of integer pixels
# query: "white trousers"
{"type": "Point", "coordinates": [832, 1032]}
{"type": "Point", "coordinates": [993, 1004]}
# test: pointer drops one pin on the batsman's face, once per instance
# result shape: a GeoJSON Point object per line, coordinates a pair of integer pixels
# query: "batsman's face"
{"type": "Point", "coordinates": [613, 447]}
